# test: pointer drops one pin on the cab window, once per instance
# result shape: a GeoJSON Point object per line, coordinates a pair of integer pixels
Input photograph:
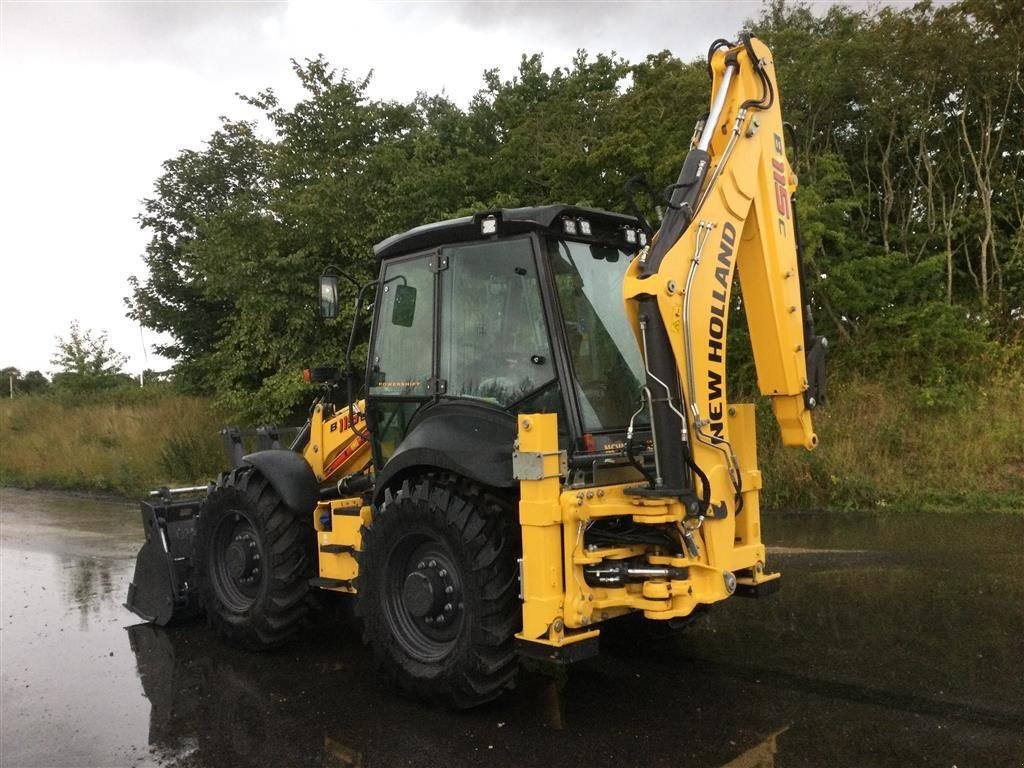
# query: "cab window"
{"type": "Point", "coordinates": [401, 363]}
{"type": "Point", "coordinates": [494, 343]}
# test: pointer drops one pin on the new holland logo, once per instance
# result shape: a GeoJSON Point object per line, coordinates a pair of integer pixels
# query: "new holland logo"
{"type": "Point", "coordinates": [716, 330]}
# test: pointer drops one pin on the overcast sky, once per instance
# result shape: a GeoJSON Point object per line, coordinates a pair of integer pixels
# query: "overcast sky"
{"type": "Point", "coordinates": [95, 95]}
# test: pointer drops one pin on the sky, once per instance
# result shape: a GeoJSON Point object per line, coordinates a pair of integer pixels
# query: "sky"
{"type": "Point", "coordinates": [95, 95]}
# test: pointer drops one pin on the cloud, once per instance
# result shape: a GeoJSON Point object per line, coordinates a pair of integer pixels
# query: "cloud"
{"type": "Point", "coordinates": [114, 31]}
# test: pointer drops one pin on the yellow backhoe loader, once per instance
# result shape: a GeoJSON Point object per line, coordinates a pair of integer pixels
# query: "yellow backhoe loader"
{"type": "Point", "coordinates": [544, 440]}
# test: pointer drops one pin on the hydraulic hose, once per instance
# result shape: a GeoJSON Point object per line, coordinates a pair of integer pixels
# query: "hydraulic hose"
{"type": "Point", "coordinates": [767, 90]}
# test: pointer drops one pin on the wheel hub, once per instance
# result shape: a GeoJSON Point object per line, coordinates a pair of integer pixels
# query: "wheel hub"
{"type": "Point", "coordinates": [423, 596]}
{"type": "Point", "coordinates": [242, 557]}
{"type": "Point", "coordinates": [430, 592]}
{"type": "Point", "coordinates": [419, 595]}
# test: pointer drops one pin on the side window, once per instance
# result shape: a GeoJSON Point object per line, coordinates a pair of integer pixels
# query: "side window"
{"type": "Point", "coordinates": [494, 341]}
{"type": "Point", "coordinates": [403, 338]}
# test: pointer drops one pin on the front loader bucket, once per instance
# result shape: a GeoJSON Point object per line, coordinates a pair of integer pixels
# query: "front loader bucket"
{"type": "Point", "coordinates": [163, 588]}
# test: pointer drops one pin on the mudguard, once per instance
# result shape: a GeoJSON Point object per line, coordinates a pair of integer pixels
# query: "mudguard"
{"type": "Point", "coordinates": [290, 476]}
{"type": "Point", "coordinates": [470, 439]}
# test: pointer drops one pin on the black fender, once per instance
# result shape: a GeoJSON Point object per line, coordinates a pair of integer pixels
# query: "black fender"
{"type": "Point", "coordinates": [289, 475]}
{"type": "Point", "coordinates": [471, 439]}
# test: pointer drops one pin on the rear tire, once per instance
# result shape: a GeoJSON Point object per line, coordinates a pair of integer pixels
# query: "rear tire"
{"type": "Point", "coordinates": [254, 558]}
{"type": "Point", "coordinates": [438, 593]}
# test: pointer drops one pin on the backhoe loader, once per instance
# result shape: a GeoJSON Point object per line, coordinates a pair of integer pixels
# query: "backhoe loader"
{"type": "Point", "coordinates": [543, 441]}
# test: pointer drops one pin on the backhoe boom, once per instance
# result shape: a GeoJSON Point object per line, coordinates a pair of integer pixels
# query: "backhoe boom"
{"type": "Point", "coordinates": [731, 209]}
{"type": "Point", "coordinates": [741, 218]}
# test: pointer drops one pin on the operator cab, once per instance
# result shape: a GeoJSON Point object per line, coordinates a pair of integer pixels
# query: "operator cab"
{"type": "Point", "coordinates": [510, 311]}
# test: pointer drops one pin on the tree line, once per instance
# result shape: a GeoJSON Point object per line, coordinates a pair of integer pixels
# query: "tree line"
{"type": "Point", "coordinates": [84, 364]}
{"type": "Point", "coordinates": [909, 151]}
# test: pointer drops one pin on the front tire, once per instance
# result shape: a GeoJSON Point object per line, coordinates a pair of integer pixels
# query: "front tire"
{"type": "Point", "coordinates": [437, 591]}
{"type": "Point", "coordinates": [254, 557]}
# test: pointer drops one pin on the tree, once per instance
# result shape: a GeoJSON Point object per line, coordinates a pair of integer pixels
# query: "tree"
{"type": "Point", "coordinates": [86, 362]}
{"type": "Point", "coordinates": [242, 228]}
{"type": "Point", "coordinates": [910, 156]}
{"type": "Point", "coordinates": [33, 383]}
{"type": "Point", "coordinates": [29, 383]}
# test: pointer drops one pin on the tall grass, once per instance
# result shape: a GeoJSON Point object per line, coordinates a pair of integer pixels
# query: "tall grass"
{"type": "Point", "coordinates": [99, 444]}
{"type": "Point", "coordinates": [881, 447]}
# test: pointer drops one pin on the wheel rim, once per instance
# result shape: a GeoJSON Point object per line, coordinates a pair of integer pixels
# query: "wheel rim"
{"type": "Point", "coordinates": [423, 596]}
{"type": "Point", "coordinates": [236, 556]}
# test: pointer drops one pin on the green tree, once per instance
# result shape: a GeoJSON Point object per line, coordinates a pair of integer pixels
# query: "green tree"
{"type": "Point", "coordinates": [910, 155]}
{"type": "Point", "coordinates": [86, 362]}
{"type": "Point", "coordinates": [34, 382]}
{"type": "Point", "coordinates": [196, 189]}
{"type": "Point", "coordinates": [241, 229]}
{"type": "Point", "coordinates": [29, 383]}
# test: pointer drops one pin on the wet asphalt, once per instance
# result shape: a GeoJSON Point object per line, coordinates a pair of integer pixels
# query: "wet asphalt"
{"type": "Point", "coordinates": [894, 641]}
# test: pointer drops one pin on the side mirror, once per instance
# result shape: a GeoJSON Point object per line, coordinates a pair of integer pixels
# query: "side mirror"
{"type": "Point", "coordinates": [404, 310]}
{"type": "Point", "coordinates": [328, 296]}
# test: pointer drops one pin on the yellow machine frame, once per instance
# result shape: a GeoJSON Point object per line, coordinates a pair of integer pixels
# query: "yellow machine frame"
{"type": "Point", "coordinates": [337, 448]}
{"type": "Point", "coordinates": [743, 220]}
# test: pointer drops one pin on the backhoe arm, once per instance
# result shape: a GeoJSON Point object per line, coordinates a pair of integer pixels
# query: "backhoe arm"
{"type": "Point", "coordinates": [690, 535]}
{"type": "Point", "coordinates": [732, 209]}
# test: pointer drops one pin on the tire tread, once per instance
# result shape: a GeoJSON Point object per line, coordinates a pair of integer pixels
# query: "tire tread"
{"type": "Point", "coordinates": [288, 542]}
{"type": "Point", "coordinates": [479, 524]}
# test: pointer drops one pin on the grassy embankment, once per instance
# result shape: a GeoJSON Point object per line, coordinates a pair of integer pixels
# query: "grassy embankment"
{"type": "Point", "coordinates": [124, 447]}
{"type": "Point", "coordinates": [879, 449]}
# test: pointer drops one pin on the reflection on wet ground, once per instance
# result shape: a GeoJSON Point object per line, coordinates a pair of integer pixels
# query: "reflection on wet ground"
{"type": "Point", "coordinates": [894, 641]}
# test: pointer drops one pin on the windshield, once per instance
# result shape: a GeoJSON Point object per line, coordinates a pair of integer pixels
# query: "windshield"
{"type": "Point", "coordinates": [605, 357]}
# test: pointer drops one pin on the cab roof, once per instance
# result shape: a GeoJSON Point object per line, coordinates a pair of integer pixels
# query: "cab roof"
{"type": "Point", "coordinates": [606, 226]}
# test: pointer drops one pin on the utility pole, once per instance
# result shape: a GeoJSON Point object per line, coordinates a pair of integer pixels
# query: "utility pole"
{"type": "Point", "coordinates": [10, 380]}
{"type": "Point", "coordinates": [145, 358]}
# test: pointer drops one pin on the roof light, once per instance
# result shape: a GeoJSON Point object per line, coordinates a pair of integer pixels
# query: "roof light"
{"type": "Point", "coordinates": [630, 236]}
{"type": "Point", "coordinates": [643, 238]}
{"type": "Point", "coordinates": [584, 227]}
{"type": "Point", "coordinates": [569, 225]}
{"type": "Point", "coordinates": [489, 225]}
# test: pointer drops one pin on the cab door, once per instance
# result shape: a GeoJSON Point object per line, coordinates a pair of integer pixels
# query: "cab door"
{"type": "Point", "coordinates": [401, 365]}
